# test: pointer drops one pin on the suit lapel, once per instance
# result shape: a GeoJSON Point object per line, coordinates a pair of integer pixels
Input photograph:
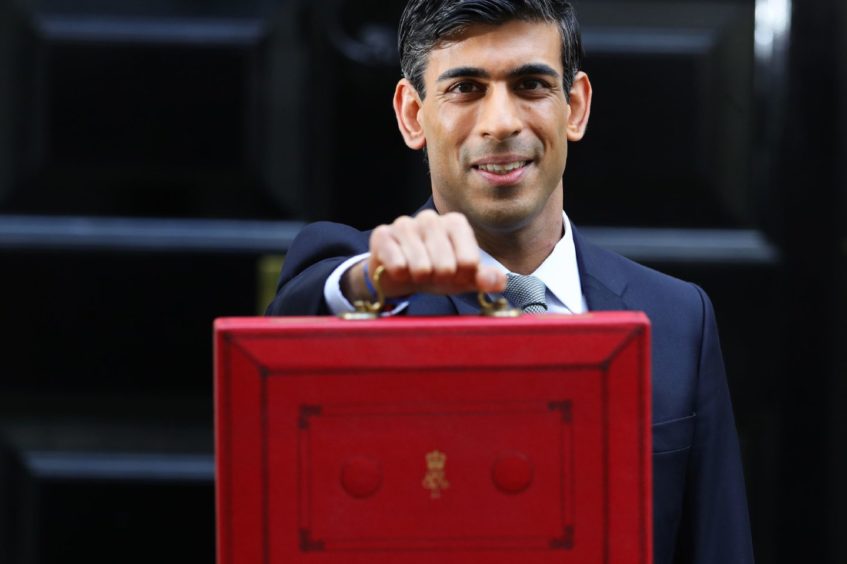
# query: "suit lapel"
{"type": "Point", "coordinates": [465, 304]}
{"type": "Point", "coordinates": [599, 297]}
{"type": "Point", "coordinates": [602, 284]}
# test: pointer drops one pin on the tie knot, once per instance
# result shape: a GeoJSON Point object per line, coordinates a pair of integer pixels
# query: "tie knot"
{"type": "Point", "coordinates": [527, 293]}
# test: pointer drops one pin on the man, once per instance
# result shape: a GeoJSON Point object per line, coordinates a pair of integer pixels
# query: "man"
{"type": "Point", "coordinates": [493, 93]}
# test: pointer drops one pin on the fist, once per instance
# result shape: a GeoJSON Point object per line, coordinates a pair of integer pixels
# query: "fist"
{"type": "Point", "coordinates": [427, 253]}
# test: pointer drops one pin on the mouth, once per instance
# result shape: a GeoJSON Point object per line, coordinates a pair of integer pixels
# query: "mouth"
{"type": "Point", "coordinates": [501, 168]}
{"type": "Point", "coordinates": [502, 171]}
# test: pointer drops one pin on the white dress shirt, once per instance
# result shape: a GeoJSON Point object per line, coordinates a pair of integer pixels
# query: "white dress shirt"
{"type": "Point", "coordinates": [559, 272]}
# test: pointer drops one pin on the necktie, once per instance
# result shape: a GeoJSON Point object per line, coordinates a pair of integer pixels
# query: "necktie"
{"type": "Point", "coordinates": [526, 293]}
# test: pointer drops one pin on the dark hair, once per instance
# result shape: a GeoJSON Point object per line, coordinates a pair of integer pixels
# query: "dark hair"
{"type": "Point", "coordinates": [425, 23]}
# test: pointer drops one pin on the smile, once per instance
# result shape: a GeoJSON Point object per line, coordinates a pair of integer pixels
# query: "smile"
{"type": "Point", "coordinates": [502, 168]}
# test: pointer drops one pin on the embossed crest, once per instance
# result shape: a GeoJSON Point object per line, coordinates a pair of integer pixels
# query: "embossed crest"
{"type": "Point", "coordinates": [435, 479]}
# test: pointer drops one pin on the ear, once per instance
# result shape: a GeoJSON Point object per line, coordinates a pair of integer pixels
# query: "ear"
{"type": "Point", "coordinates": [407, 106]}
{"type": "Point", "coordinates": [580, 104]}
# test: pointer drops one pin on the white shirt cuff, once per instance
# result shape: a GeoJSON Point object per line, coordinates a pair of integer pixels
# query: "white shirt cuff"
{"type": "Point", "coordinates": [333, 295]}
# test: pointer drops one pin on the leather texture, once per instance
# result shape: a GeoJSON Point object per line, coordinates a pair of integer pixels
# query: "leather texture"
{"type": "Point", "coordinates": [413, 439]}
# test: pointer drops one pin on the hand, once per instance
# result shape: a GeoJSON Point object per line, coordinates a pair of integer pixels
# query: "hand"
{"type": "Point", "coordinates": [430, 253]}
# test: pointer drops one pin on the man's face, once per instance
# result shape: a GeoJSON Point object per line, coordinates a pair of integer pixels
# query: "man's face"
{"type": "Point", "coordinates": [495, 122]}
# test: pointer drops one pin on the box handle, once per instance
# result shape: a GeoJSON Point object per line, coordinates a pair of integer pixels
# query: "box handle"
{"type": "Point", "coordinates": [370, 310]}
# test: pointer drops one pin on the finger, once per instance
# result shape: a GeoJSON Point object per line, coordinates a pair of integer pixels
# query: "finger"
{"type": "Point", "coordinates": [408, 233]}
{"type": "Point", "coordinates": [490, 279]}
{"type": "Point", "coordinates": [463, 241]}
{"type": "Point", "coordinates": [465, 250]}
{"type": "Point", "coordinates": [386, 251]}
{"type": "Point", "coordinates": [440, 249]}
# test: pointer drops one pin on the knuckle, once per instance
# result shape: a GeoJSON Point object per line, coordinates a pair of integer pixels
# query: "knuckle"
{"type": "Point", "coordinates": [379, 233]}
{"type": "Point", "coordinates": [403, 222]}
{"type": "Point", "coordinates": [427, 215]}
{"type": "Point", "coordinates": [407, 227]}
{"type": "Point", "coordinates": [382, 234]}
{"type": "Point", "coordinates": [427, 222]}
{"type": "Point", "coordinates": [456, 220]}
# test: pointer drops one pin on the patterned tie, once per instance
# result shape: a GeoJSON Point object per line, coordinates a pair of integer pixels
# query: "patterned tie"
{"type": "Point", "coordinates": [526, 293]}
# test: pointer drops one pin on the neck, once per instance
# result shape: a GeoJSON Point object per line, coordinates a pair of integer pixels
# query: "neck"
{"type": "Point", "coordinates": [522, 251]}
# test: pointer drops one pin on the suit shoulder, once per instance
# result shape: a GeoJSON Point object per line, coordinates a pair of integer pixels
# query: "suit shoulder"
{"type": "Point", "coordinates": [672, 287]}
{"type": "Point", "coordinates": [320, 241]}
{"type": "Point", "coordinates": [328, 231]}
{"type": "Point", "coordinates": [325, 239]}
{"type": "Point", "coordinates": [645, 288]}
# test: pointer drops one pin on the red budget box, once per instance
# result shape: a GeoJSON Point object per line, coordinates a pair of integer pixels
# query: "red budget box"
{"type": "Point", "coordinates": [443, 440]}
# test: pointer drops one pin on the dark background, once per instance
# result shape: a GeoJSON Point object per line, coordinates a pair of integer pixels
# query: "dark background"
{"type": "Point", "coordinates": [154, 153]}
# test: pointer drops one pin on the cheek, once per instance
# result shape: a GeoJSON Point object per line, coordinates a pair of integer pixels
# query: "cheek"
{"type": "Point", "coordinates": [448, 138]}
{"type": "Point", "coordinates": [560, 147]}
{"type": "Point", "coordinates": [455, 121]}
{"type": "Point", "coordinates": [549, 121]}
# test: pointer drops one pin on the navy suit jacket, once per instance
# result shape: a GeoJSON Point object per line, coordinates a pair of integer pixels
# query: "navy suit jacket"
{"type": "Point", "coordinates": [699, 501]}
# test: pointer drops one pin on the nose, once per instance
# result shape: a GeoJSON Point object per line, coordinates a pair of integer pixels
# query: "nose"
{"type": "Point", "coordinates": [499, 116]}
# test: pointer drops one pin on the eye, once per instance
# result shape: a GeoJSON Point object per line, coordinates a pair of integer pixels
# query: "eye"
{"type": "Point", "coordinates": [533, 84]}
{"type": "Point", "coordinates": [465, 87]}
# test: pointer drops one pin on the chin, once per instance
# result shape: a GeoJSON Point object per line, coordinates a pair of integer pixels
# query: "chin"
{"type": "Point", "coordinates": [503, 220]}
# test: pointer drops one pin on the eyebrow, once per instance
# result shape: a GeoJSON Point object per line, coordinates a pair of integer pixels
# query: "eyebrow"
{"type": "Point", "coordinates": [463, 72]}
{"type": "Point", "coordinates": [535, 69]}
{"type": "Point", "coordinates": [523, 70]}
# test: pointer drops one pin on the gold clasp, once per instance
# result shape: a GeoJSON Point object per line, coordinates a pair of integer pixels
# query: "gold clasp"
{"type": "Point", "coordinates": [496, 308]}
{"type": "Point", "coordinates": [365, 309]}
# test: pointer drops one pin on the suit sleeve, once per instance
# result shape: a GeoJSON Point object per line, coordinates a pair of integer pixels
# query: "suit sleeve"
{"type": "Point", "coordinates": [715, 525]}
{"type": "Point", "coordinates": [317, 250]}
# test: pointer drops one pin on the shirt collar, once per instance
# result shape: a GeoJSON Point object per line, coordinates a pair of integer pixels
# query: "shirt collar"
{"type": "Point", "coordinates": [559, 271]}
